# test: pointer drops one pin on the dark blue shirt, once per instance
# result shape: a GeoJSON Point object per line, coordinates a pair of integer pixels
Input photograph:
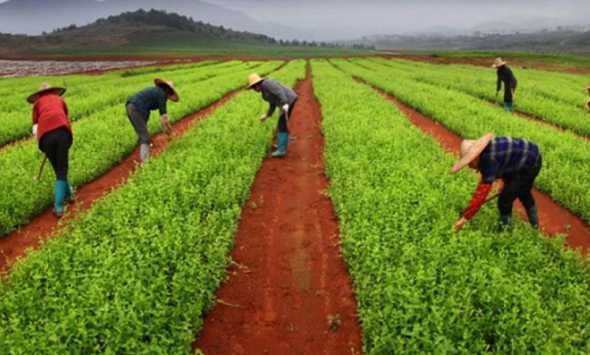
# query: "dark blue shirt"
{"type": "Point", "coordinates": [149, 99]}
{"type": "Point", "coordinates": [505, 156]}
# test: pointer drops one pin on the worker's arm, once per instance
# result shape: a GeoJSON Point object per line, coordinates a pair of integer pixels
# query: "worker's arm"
{"type": "Point", "coordinates": [271, 109]}
{"type": "Point", "coordinates": [498, 84]}
{"type": "Point", "coordinates": [65, 106]}
{"type": "Point", "coordinates": [478, 199]}
{"type": "Point", "coordinates": [166, 123]}
{"type": "Point", "coordinates": [163, 107]}
{"type": "Point", "coordinates": [35, 120]}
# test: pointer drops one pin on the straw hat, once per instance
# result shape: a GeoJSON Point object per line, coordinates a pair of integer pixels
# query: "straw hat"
{"type": "Point", "coordinates": [169, 87]}
{"type": "Point", "coordinates": [470, 150]}
{"type": "Point", "coordinates": [253, 79]}
{"type": "Point", "coordinates": [498, 63]}
{"type": "Point", "coordinates": [44, 89]}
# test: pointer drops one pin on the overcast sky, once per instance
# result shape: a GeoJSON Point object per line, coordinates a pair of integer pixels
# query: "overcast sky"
{"type": "Point", "coordinates": [348, 19]}
{"type": "Point", "coordinates": [345, 18]}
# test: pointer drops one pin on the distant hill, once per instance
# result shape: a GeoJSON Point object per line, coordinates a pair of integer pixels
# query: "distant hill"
{"type": "Point", "coordinates": [132, 30]}
{"type": "Point", "coordinates": [555, 41]}
{"type": "Point", "coordinates": [33, 17]}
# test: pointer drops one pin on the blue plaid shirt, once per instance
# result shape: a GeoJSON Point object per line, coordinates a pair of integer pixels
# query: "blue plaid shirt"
{"type": "Point", "coordinates": [505, 156]}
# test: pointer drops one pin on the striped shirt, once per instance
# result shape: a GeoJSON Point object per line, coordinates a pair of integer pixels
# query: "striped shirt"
{"type": "Point", "coordinates": [505, 156]}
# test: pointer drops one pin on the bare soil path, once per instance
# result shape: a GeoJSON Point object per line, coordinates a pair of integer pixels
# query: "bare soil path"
{"type": "Point", "coordinates": [554, 218]}
{"type": "Point", "coordinates": [44, 226]}
{"type": "Point", "coordinates": [289, 291]}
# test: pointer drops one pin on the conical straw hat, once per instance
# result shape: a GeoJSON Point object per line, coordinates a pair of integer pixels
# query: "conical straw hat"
{"type": "Point", "coordinates": [43, 89]}
{"type": "Point", "coordinates": [470, 150]}
{"type": "Point", "coordinates": [253, 79]}
{"type": "Point", "coordinates": [169, 87]}
{"type": "Point", "coordinates": [498, 63]}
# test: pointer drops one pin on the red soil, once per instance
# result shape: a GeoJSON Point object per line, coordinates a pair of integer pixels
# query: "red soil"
{"type": "Point", "coordinates": [46, 225]}
{"type": "Point", "coordinates": [289, 291]}
{"type": "Point", "coordinates": [554, 218]}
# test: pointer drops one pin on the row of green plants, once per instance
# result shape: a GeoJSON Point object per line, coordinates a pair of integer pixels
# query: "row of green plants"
{"type": "Point", "coordinates": [101, 140]}
{"type": "Point", "coordinates": [136, 273]}
{"type": "Point", "coordinates": [571, 86]}
{"type": "Point", "coordinates": [541, 96]}
{"type": "Point", "coordinates": [565, 156]}
{"type": "Point", "coordinates": [85, 99]}
{"type": "Point", "coordinates": [21, 85]}
{"type": "Point", "coordinates": [421, 288]}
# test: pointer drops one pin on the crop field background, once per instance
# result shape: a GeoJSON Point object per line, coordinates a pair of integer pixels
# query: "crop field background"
{"type": "Point", "coordinates": [136, 270]}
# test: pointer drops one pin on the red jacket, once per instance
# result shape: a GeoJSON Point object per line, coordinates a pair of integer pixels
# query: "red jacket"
{"type": "Point", "coordinates": [50, 112]}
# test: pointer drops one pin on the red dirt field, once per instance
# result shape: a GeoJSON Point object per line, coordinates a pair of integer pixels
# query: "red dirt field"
{"type": "Point", "coordinates": [44, 226]}
{"type": "Point", "coordinates": [14, 68]}
{"type": "Point", "coordinates": [554, 218]}
{"type": "Point", "coordinates": [289, 291]}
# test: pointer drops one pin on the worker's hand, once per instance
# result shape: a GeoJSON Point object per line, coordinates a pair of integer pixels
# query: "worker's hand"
{"type": "Point", "coordinates": [263, 118]}
{"type": "Point", "coordinates": [513, 93]}
{"type": "Point", "coordinates": [166, 124]}
{"type": "Point", "coordinates": [34, 130]}
{"type": "Point", "coordinates": [459, 224]}
{"type": "Point", "coordinates": [500, 185]}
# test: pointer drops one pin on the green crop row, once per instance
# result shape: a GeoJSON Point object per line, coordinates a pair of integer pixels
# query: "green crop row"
{"type": "Point", "coordinates": [420, 288]}
{"type": "Point", "coordinates": [100, 141]}
{"type": "Point", "coordinates": [545, 98]}
{"type": "Point", "coordinates": [565, 157]}
{"type": "Point", "coordinates": [136, 273]}
{"type": "Point", "coordinates": [84, 100]}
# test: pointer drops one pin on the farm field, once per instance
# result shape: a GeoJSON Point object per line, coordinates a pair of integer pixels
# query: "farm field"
{"type": "Point", "coordinates": [344, 246]}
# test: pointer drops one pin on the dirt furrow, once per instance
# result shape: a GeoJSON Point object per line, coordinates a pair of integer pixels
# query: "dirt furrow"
{"type": "Point", "coordinates": [554, 218]}
{"type": "Point", "coordinates": [44, 226]}
{"type": "Point", "coordinates": [289, 291]}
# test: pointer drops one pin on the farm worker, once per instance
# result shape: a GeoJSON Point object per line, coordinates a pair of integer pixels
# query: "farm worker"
{"type": "Point", "coordinates": [505, 76]}
{"type": "Point", "coordinates": [139, 107]}
{"type": "Point", "coordinates": [516, 161]}
{"type": "Point", "coordinates": [279, 95]}
{"type": "Point", "coordinates": [54, 133]}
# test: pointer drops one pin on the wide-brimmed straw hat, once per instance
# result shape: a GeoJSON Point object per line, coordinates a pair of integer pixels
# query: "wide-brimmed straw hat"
{"type": "Point", "coordinates": [470, 150]}
{"type": "Point", "coordinates": [169, 87]}
{"type": "Point", "coordinates": [44, 89]}
{"type": "Point", "coordinates": [254, 79]}
{"type": "Point", "coordinates": [498, 63]}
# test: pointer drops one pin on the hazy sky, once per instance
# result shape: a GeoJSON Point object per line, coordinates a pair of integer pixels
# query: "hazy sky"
{"type": "Point", "coordinates": [347, 19]}
{"type": "Point", "coordinates": [344, 18]}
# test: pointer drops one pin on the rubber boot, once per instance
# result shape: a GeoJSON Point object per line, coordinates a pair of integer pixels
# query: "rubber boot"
{"type": "Point", "coordinates": [61, 187]}
{"type": "Point", "coordinates": [533, 217]}
{"type": "Point", "coordinates": [283, 141]}
{"type": "Point", "coordinates": [144, 152]}
{"type": "Point", "coordinates": [70, 196]}
{"type": "Point", "coordinates": [505, 224]}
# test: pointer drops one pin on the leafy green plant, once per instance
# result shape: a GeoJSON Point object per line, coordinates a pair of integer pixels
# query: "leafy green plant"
{"type": "Point", "coordinates": [100, 141]}
{"type": "Point", "coordinates": [421, 288]}
{"type": "Point", "coordinates": [135, 274]}
{"type": "Point", "coordinates": [565, 156]}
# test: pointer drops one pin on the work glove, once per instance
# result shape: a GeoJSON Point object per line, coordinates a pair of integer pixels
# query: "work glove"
{"type": "Point", "coordinates": [286, 111]}
{"type": "Point", "coordinates": [263, 118]}
{"type": "Point", "coordinates": [34, 130]}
